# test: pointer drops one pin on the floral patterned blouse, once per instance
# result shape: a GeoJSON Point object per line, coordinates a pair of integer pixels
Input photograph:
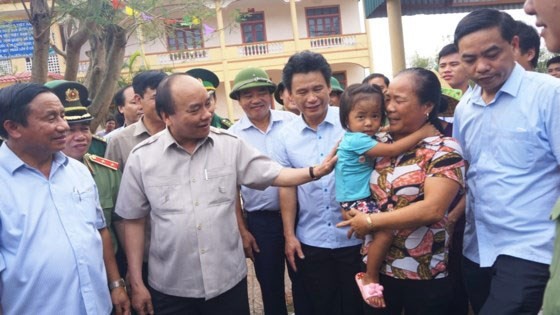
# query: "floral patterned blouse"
{"type": "Point", "coordinates": [418, 253]}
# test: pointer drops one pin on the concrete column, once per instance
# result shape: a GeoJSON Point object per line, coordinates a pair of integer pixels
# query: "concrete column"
{"type": "Point", "coordinates": [221, 32]}
{"type": "Point", "coordinates": [394, 15]}
{"type": "Point", "coordinates": [295, 30]}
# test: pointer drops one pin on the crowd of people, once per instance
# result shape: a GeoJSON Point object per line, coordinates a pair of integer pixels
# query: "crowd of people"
{"type": "Point", "coordinates": [434, 192]}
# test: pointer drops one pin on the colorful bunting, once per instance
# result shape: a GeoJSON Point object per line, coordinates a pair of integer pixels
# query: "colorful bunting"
{"type": "Point", "coordinates": [187, 21]}
{"type": "Point", "coordinates": [208, 29]}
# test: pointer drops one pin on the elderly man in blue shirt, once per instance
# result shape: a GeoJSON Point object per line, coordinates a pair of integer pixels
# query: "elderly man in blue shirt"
{"type": "Point", "coordinates": [509, 128]}
{"type": "Point", "coordinates": [53, 238]}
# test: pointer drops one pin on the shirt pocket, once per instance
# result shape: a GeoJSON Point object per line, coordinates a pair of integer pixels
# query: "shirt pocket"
{"type": "Point", "coordinates": [165, 193]}
{"type": "Point", "coordinates": [514, 148]}
{"type": "Point", "coordinates": [221, 185]}
{"type": "Point", "coordinates": [85, 200]}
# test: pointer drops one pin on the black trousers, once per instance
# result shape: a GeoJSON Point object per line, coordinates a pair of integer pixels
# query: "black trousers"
{"type": "Point", "coordinates": [328, 279]}
{"type": "Point", "coordinates": [266, 227]}
{"type": "Point", "coordinates": [414, 297]}
{"type": "Point", "coordinates": [511, 286]}
{"type": "Point", "coordinates": [232, 302]}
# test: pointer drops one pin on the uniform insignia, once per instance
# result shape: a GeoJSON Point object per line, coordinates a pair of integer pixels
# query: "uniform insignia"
{"type": "Point", "coordinates": [96, 137]}
{"type": "Point", "coordinates": [226, 123]}
{"type": "Point", "coordinates": [72, 95]}
{"type": "Point", "coordinates": [105, 162]}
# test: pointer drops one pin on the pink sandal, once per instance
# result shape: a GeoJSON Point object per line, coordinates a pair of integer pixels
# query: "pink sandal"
{"type": "Point", "coordinates": [368, 290]}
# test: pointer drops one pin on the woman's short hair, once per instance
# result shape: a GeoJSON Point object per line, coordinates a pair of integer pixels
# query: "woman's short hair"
{"type": "Point", "coordinates": [355, 93]}
{"type": "Point", "coordinates": [14, 103]}
{"type": "Point", "coordinates": [428, 90]}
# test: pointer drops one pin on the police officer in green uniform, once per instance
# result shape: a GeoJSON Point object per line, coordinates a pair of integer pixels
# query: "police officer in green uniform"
{"type": "Point", "coordinates": [74, 98]}
{"type": "Point", "coordinates": [98, 144]}
{"type": "Point", "coordinates": [551, 302]}
{"type": "Point", "coordinates": [336, 92]}
{"type": "Point", "coordinates": [210, 81]}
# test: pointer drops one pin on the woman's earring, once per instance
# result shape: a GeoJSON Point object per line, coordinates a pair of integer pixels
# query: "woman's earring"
{"type": "Point", "coordinates": [427, 116]}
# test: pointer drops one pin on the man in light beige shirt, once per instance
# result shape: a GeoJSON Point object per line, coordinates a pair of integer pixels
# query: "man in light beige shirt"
{"type": "Point", "coordinates": [144, 85]}
{"type": "Point", "coordinates": [188, 188]}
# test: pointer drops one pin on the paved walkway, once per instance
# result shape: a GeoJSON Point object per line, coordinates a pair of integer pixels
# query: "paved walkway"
{"type": "Point", "coordinates": [255, 300]}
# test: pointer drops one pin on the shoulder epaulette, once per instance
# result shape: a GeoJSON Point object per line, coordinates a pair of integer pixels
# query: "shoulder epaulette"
{"type": "Point", "coordinates": [226, 123]}
{"type": "Point", "coordinates": [220, 131]}
{"type": "Point", "coordinates": [145, 142]}
{"type": "Point", "coordinates": [105, 162]}
{"type": "Point", "coordinates": [96, 137]}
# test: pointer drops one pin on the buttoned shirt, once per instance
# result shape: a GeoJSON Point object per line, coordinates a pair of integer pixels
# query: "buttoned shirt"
{"type": "Point", "coordinates": [512, 145]}
{"type": "Point", "coordinates": [51, 254]}
{"type": "Point", "coordinates": [253, 199]}
{"type": "Point", "coordinates": [196, 249]}
{"type": "Point", "coordinates": [120, 145]}
{"type": "Point", "coordinates": [114, 133]}
{"type": "Point", "coordinates": [298, 145]}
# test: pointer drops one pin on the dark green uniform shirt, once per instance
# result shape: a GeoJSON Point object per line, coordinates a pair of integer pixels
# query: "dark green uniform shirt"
{"type": "Point", "coordinates": [220, 122]}
{"type": "Point", "coordinates": [551, 303]}
{"type": "Point", "coordinates": [107, 178]}
{"type": "Point", "coordinates": [98, 146]}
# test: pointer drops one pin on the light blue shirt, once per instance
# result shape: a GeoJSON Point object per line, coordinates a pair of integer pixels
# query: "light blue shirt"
{"type": "Point", "coordinates": [51, 254]}
{"type": "Point", "coordinates": [297, 145]}
{"type": "Point", "coordinates": [255, 200]}
{"type": "Point", "coordinates": [512, 145]}
{"type": "Point", "coordinates": [353, 169]}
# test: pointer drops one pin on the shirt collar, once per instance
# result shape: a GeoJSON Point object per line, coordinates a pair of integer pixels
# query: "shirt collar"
{"type": "Point", "coordinates": [11, 162]}
{"type": "Point", "coordinates": [511, 86]}
{"type": "Point", "coordinates": [245, 123]}
{"type": "Point", "coordinates": [169, 141]}
{"type": "Point", "coordinates": [331, 119]}
{"type": "Point", "coordinates": [140, 128]}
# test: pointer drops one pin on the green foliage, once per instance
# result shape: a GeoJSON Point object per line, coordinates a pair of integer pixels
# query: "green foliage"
{"type": "Point", "coordinates": [422, 62]}
{"type": "Point", "coordinates": [544, 55]}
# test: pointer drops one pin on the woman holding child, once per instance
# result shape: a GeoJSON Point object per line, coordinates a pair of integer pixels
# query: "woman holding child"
{"type": "Point", "coordinates": [413, 192]}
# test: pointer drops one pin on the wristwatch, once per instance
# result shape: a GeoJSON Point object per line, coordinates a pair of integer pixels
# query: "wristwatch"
{"type": "Point", "coordinates": [117, 284]}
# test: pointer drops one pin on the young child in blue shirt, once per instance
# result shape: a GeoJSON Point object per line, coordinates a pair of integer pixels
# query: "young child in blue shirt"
{"type": "Point", "coordinates": [362, 110]}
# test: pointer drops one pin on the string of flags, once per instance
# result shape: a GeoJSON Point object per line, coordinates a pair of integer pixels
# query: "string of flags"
{"type": "Point", "coordinates": [187, 21]}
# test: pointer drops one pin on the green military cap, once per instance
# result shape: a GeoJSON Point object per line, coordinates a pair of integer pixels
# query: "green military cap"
{"type": "Point", "coordinates": [335, 86]}
{"type": "Point", "coordinates": [74, 98]}
{"type": "Point", "coordinates": [208, 78]}
{"type": "Point", "coordinates": [279, 90]}
{"type": "Point", "coordinates": [250, 78]}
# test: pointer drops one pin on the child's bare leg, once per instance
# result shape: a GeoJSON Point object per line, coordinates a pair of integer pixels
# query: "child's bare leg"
{"type": "Point", "coordinates": [377, 252]}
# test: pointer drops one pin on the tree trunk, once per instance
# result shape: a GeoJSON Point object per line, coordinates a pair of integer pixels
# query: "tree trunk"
{"type": "Point", "coordinates": [88, 26]}
{"type": "Point", "coordinates": [115, 42]}
{"type": "Point", "coordinates": [41, 21]}
{"type": "Point", "coordinates": [97, 64]}
{"type": "Point", "coordinates": [74, 48]}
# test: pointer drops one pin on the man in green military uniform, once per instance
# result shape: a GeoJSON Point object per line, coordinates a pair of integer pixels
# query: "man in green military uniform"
{"type": "Point", "coordinates": [106, 173]}
{"type": "Point", "coordinates": [98, 144]}
{"type": "Point", "coordinates": [336, 92]}
{"type": "Point", "coordinates": [210, 81]}
{"type": "Point", "coordinates": [551, 303]}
